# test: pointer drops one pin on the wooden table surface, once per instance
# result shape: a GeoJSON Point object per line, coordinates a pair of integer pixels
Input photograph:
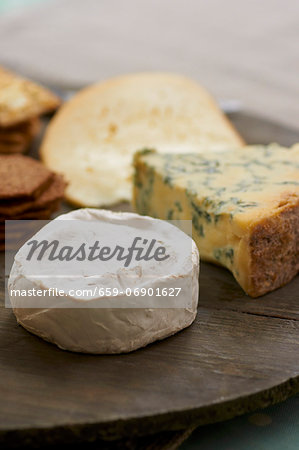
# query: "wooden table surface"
{"type": "Point", "coordinates": [247, 51]}
{"type": "Point", "coordinates": [239, 50]}
{"type": "Point", "coordinates": [239, 355]}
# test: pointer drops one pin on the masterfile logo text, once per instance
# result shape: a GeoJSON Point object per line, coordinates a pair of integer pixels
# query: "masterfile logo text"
{"type": "Point", "coordinates": [91, 264]}
{"type": "Point", "coordinates": [140, 249]}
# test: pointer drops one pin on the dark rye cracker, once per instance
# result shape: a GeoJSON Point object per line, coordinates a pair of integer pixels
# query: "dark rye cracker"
{"type": "Point", "coordinates": [35, 214]}
{"type": "Point", "coordinates": [53, 193]}
{"type": "Point", "coordinates": [22, 177]}
{"type": "Point", "coordinates": [17, 138]}
{"type": "Point", "coordinates": [39, 214]}
{"type": "Point", "coordinates": [11, 148]}
{"type": "Point", "coordinates": [18, 228]}
{"type": "Point", "coordinates": [21, 131]}
{"type": "Point", "coordinates": [13, 234]}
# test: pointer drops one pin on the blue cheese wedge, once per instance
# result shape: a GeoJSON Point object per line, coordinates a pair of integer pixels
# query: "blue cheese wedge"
{"type": "Point", "coordinates": [244, 205]}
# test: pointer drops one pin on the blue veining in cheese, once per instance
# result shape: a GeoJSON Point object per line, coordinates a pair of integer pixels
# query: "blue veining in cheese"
{"type": "Point", "coordinates": [243, 204]}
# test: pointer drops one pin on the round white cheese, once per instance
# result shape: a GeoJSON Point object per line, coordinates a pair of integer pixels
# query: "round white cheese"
{"type": "Point", "coordinates": [108, 306]}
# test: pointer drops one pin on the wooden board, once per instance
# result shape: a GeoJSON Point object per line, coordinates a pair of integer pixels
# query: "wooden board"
{"type": "Point", "coordinates": [239, 355]}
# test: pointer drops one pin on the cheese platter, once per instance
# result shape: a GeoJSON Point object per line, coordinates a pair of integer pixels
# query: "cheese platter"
{"type": "Point", "coordinates": [240, 354]}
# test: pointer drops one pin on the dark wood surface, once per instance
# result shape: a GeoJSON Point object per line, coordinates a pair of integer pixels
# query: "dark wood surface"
{"type": "Point", "coordinates": [239, 355]}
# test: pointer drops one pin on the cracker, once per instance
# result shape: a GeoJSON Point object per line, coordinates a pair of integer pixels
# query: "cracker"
{"type": "Point", "coordinates": [21, 99]}
{"type": "Point", "coordinates": [17, 139]}
{"type": "Point", "coordinates": [8, 148]}
{"type": "Point", "coordinates": [53, 193]}
{"type": "Point", "coordinates": [22, 177]}
{"type": "Point", "coordinates": [27, 128]}
{"type": "Point", "coordinates": [35, 214]}
{"type": "Point", "coordinates": [39, 214]}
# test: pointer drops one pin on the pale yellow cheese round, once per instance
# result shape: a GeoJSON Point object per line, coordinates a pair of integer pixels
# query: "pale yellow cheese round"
{"type": "Point", "coordinates": [93, 137]}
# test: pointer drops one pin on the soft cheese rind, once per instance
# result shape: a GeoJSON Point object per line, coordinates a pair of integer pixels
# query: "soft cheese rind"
{"type": "Point", "coordinates": [244, 205]}
{"type": "Point", "coordinates": [106, 330]}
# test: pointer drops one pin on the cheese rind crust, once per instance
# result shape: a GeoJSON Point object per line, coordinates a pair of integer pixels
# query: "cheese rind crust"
{"type": "Point", "coordinates": [244, 205]}
{"type": "Point", "coordinates": [82, 325]}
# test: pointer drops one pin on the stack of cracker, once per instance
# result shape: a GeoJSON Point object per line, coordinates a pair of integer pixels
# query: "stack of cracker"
{"type": "Point", "coordinates": [22, 102]}
{"type": "Point", "coordinates": [28, 190]}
